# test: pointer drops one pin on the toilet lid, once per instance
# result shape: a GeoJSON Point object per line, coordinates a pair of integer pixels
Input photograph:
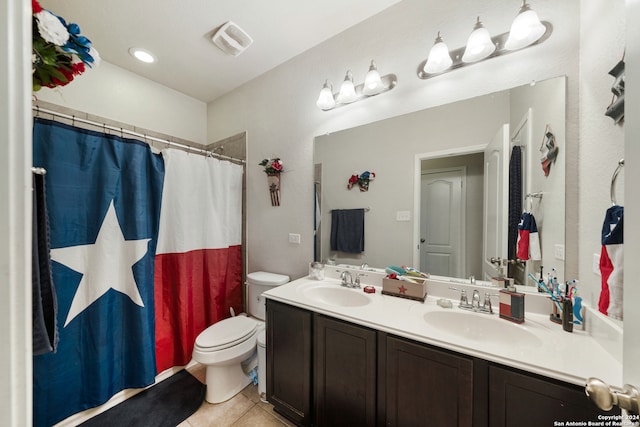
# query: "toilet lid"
{"type": "Point", "coordinates": [226, 333]}
{"type": "Point", "coordinates": [266, 278]}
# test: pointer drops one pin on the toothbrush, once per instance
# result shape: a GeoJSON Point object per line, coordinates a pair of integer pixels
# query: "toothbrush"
{"type": "Point", "coordinates": [546, 289]}
{"type": "Point", "coordinates": [571, 287]}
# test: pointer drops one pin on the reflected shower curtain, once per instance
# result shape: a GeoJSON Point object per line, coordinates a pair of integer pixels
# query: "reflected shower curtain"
{"type": "Point", "coordinates": [198, 268]}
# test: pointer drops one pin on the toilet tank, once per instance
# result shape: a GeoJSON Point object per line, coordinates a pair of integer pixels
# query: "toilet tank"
{"type": "Point", "coordinates": [257, 283]}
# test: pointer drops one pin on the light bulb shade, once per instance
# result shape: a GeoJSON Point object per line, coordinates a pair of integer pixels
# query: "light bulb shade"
{"type": "Point", "coordinates": [439, 58]}
{"type": "Point", "coordinates": [372, 81]}
{"type": "Point", "coordinates": [479, 45]}
{"type": "Point", "coordinates": [526, 29]}
{"type": "Point", "coordinates": [325, 100]}
{"type": "Point", "coordinates": [347, 92]}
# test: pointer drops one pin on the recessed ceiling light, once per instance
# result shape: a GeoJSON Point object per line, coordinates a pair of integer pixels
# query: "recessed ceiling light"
{"type": "Point", "coordinates": [142, 55]}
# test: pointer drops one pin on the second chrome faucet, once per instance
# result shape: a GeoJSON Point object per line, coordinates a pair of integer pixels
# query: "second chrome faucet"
{"type": "Point", "coordinates": [474, 305]}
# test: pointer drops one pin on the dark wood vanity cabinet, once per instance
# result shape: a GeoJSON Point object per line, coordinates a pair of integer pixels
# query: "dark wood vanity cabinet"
{"type": "Point", "coordinates": [344, 367]}
{"type": "Point", "coordinates": [519, 399]}
{"type": "Point", "coordinates": [289, 361]}
{"type": "Point", "coordinates": [326, 372]}
{"type": "Point", "coordinates": [421, 385]}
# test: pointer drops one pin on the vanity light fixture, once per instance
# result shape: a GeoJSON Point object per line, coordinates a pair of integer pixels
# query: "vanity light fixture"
{"type": "Point", "coordinates": [142, 55]}
{"type": "Point", "coordinates": [439, 58]}
{"type": "Point", "coordinates": [374, 84]}
{"type": "Point", "coordinates": [347, 91]}
{"type": "Point", "coordinates": [372, 81]}
{"type": "Point", "coordinates": [479, 44]}
{"type": "Point", "coordinates": [326, 100]}
{"type": "Point", "coordinates": [526, 30]}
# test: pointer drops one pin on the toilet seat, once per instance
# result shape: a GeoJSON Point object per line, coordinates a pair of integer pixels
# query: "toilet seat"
{"type": "Point", "coordinates": [226, 333]}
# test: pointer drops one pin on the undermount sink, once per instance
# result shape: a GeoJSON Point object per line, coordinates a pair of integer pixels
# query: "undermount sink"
{"type": "Point", "coordinates": [482, 327]}
{"type": "Point", "coordinates": [337, 296]}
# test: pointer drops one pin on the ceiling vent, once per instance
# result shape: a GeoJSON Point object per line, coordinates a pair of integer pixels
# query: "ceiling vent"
{"type": "Point", "coordinates": [232, 39]}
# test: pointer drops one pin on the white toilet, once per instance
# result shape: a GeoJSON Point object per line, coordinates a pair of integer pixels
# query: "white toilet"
{"type": "Point", "coordinates": [223, 346]}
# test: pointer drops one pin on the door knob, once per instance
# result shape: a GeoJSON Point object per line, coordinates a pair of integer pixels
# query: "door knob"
{"type": "Point", "coordinates": [422, 240]}
{"type": "Point", "coordinates": [605, 398]}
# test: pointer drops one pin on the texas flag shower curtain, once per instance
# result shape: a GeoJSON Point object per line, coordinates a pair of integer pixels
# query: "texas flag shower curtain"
{"type": "Point", "coordinates": [103, 196]}
{"type": "Point", "coordinates": [146, 253]}
{"type": "Point", "coordinates": [198, 266]}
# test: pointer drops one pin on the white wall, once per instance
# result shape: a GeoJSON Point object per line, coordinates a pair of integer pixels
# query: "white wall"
{"type": "Point", "coordinates": [112, 92]}
{"type": "Point", "coordinates": [278, 109]}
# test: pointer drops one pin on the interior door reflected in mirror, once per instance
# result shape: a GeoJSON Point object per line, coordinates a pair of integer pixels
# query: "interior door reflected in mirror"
{"type": "Point", "coordinates": [441, 178]}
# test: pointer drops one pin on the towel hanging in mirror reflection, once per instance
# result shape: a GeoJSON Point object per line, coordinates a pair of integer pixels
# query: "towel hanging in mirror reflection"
{"type": "Point", "coordinates": [548, 150]}
{"type": "Point", "coordinates": [528, 246]}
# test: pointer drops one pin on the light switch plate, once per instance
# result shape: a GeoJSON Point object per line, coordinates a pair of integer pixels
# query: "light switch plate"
{"type": "Point", "coordinates": [559, 252]}
{"type": "Point", "coordinates": [294, 238]}
{"type": "Point", "coordinates": [403, 216]}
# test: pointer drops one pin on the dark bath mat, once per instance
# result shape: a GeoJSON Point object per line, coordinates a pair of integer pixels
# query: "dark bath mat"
{"type": "Point", "coordinates": [166, 404]}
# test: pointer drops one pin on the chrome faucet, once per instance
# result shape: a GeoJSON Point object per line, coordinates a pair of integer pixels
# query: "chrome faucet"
{"type": "Point", "coordinates": [486, 306]}
{"type": "Point", "coordinates": [475, 300]}
{"type": "Point", "coordinates": [356, 282]}
{"type": "Point", "coordinates": [464, 302]}
{"type": "Point", "coordinates": [474, 305]}
{"type": "Point", "coordinates": [343, 278]}
{"type": "Point", "coordinates": [346, 279]}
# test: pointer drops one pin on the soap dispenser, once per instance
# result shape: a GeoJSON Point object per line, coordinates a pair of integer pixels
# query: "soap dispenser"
{"type": "Point", "coordinates": [512, 305]}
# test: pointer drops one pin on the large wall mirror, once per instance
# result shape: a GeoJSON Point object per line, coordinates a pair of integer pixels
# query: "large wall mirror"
{"type": "Point", "coordinates": [442, 191]}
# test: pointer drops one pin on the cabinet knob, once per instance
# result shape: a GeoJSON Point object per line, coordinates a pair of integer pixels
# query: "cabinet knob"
{"type": "Point", "coordinates": [605, 398]}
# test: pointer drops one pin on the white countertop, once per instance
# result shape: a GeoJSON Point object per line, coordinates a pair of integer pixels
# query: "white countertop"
{"type": "Point", "coordinates": [541, 347]}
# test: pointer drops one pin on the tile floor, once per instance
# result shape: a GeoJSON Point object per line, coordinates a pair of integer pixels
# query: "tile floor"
{"type": "Point", "coordinates": [244, 409]}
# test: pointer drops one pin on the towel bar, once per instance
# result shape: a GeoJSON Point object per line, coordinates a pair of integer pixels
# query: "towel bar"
{"type": "Point", "coordinates": [613, 182]}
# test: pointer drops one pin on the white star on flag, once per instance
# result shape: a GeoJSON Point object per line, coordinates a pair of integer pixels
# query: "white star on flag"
{"type": "Point", "coordinates": [105, 264]}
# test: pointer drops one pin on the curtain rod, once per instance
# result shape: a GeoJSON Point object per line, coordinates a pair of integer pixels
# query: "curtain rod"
{"type": "Point", "coordinates": [122, 131]}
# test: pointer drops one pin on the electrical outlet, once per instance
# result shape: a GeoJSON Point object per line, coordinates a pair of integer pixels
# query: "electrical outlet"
{"type": "Point", "coordinates": [559, 252]}
{"type": "Point", "coordinates": [596, 264]}
{"type": "Point", "coordinates": [403, 215]}
{"type": "Point", "coordinates": [294, 238]}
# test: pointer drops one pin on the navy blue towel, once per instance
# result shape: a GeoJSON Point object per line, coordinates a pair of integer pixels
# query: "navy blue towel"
{"type": "Point", "coordinates": [347, 230]}
{"type": "Point", "coordinates": [44, 303]}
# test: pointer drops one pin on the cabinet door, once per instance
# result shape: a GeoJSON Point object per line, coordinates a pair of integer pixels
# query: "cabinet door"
{"type": "Point", "coordinates": [344, 373]}
{"type": "Point", "coordinates": [425, 386]}
{"type": "Point", "coordinates": [289, 361]}
{"type": "Point", "coordinates": [517, 399]}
